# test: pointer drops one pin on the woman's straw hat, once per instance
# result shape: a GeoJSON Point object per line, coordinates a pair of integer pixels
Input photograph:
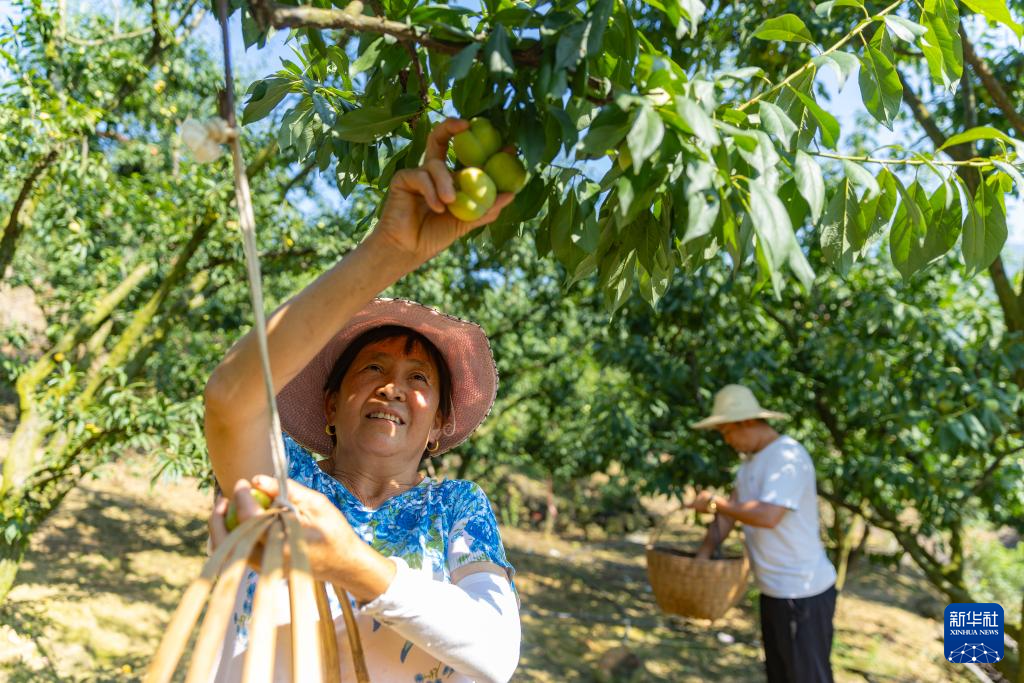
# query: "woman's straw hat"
{"type": "Point", "coordinates": [463, 345]}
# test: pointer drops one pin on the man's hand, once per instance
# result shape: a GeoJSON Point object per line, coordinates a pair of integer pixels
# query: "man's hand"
{"type": "Point", "coordinates": [702, 501]}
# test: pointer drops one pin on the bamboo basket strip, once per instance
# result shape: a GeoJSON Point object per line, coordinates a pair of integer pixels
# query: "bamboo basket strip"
{"type": "Point", "coordinates": [218, 612]}
{"type": "Point", "coordinates": [354, 641]}
{"type": "Point", "coordinates": [305, 630]}
{"type": "Point", "coordinates": [328, 638]}
{"type": "Point", "coordinates": [259, 656]}
{"type": "Point", "coordinates": [185, 616]}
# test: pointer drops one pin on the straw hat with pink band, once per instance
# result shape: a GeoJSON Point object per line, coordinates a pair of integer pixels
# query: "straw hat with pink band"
{"type": "Point", "coordinates": [462, 344]}
{"type": "Point", "coordinates": [736, 403]}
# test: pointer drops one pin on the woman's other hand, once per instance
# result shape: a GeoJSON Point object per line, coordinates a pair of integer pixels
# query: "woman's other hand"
{"type": "Point", "coordinates": [336, 554]}
{"type": "Point", "coordinates": [415, 222]}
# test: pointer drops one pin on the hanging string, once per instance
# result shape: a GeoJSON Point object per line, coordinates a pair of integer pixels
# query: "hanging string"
{"type": "Point", "coordinates": [247, 224]}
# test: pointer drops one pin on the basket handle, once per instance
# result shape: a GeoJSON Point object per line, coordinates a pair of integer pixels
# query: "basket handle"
{"type": "Point", "coordinates": [659, 528]}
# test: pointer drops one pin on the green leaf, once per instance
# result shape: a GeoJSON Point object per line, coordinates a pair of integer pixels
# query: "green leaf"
{"type": "Point", "coordinates": [771, 223]}
{"type": "Point", "coordinates": [368, 58]}
{"type": "Point", "coordinates": [880, 86]}
{"type": "Point", "coordinates": [470, 94]}
{"type": "Point", "coordinates": [530, 138]}
{"type": "Point", "coordinates": [997, 11]}
{"type": "Point", "coordinates": [653, 242]}
{"type": "Point", "coordinates": [908, 230]}
{"type": "Point", "coordinates": [905, 29]}
{"type": "Point", "coordinates": [810, 182]}
{"type": "Point", "coordinates": [645, 136]}
{"type": "Point", "coordinates": [788, 28]}
{"type": "Point", "coordinates": [824, 9]}
{"type": "Point", "coordinates": [795, 109]}
{"type": "Point", "coordinates": [369, 123]}
{"type": "Point", "coordinates": [941, 43]}
{"type": "Point", "coordinates": [600, 13]}
{"type": "Point", "coordinates": [862, 179]}
{"type": "Point", "coordinates": [498, 54]}
{"type": "Point", "coordinates": [843, 63]}
{"type": "Point", "coordinates": [606, 130]}
{"type": "Point", "coordinates": [570, 48]}
{"type": "Point", "coordinates": [827, 124]}
{"type": "Point", "coordinates": [700, 218]}
{"type": "Point", "coordinates": [983, 133]}
{"type": "Point", "coordinates": [841, 225]}
{"type": "Point", "coordinates": [944, 223]}
{"type": "Point", "coordinates": [566, 219]}
{"type": "Point", "coordinates": [878, 212]}
{"type": "Point", "coordinates": [323, 110]}
{"type": "Point", "coordinates": [461, 63]}
{"type": "Point", "coordinates": [624, 193]}
{"type": "Point", "coordinates": [984, 230]}
{"type": "Point", "coordinates": [777, 123]}
{"type": "Point", "coordinates": [687, 15]}
{"type": "Point", "coordinates": [569, 134]}
{"type": "Point", "coordinates": [265, 95]}
{"type": "Point", "coordinates": [801, 267]}
{"type": "Point", "coordinates": [1013, 173]}
{"type": "Point", "coordinates": [697, 119]}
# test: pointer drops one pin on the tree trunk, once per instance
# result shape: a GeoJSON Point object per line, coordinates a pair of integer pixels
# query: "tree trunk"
{"type": "Point", "coordinates": [11, 556]}
{"type": "Point", "coordinates": [842, 534]}
{"type": "Point", "coordinates": [12, 232]}
{"type": "Point", "coordinates": [552, 508]}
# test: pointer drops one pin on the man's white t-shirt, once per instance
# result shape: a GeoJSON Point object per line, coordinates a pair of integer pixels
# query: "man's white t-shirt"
{"type": "Point", "coordinates": [789, 561]}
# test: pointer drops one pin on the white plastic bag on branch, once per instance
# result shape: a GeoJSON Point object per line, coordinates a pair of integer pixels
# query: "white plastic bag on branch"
{"type": "Point", "coordinates": [205, 138]}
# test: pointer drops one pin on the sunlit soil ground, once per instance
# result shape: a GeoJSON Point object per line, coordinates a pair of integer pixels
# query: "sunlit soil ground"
{"type": "Point", "coordinates": [106, 572]}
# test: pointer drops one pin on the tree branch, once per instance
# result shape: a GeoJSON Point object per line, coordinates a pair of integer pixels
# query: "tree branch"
{"type": "Point", "coordinates": [269, 13]}
{"type": "Point", "coordinates": [297, 178]}
{"type": "Point", "coordinates": [857, 30]}
{"type": "Point", "coordinates": [112, 39]}
{"type": "Point", "coordinates": [995, 90]}
{"type": "Point", "coordinates": [13, 230]}
{"type": "Point", "coordinates": [990, 470]}
{"type": "Point", "coordinates": [1011, 304]}
{"type": "Point", "coordinates": [925, 120]}
{"type": "Point", "coordinates": [414, 57]}
{"type": "Point", "coordinates": [978, 162]}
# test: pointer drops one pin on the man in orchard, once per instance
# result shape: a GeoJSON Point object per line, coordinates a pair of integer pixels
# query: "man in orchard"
{"type": "Point", "coordinates": [776, 498]}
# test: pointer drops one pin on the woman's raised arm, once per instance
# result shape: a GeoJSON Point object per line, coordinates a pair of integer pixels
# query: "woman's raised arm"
{"type": "Point", "coordinates": [414, 226]}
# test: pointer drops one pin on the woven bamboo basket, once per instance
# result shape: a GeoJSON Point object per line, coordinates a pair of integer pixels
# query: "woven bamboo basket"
{"type": "Point", "coordinates": [314, 648]}
{"type": "Point", "coordinates": [691, 587]}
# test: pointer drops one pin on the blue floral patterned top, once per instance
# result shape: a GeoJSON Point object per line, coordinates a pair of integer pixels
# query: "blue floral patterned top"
{"type": "Point", "coordinates": [436, 527]}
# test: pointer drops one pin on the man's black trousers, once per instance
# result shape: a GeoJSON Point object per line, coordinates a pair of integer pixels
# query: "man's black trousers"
{"type": "Point", "coordinates": [797, 637]}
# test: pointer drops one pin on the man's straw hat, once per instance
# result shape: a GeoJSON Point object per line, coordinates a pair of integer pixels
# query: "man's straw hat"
{"type": "Point", "coordinates": [735, 403]}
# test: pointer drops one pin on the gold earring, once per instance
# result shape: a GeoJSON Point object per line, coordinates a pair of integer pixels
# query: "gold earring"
{"type": "Point", "coordinates": [329, 429]}
{"type": "Point", "coordinates": [437, 446]}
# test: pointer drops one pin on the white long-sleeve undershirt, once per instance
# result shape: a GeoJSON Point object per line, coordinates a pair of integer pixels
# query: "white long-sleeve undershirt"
{"type": "Point", "coordinates": [472, 626]}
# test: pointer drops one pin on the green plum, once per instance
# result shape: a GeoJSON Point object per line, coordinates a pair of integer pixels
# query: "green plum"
{"type": "Point", "coordinates": [475, 146]}
{"type": "Point", "coordinates": [231, 518]}
{"type": "Point", "coordinates": [507, 172]}
{"type": "Point", "coordinates": [625, 158]}
{"type": "Point", "coordinates": [474, 194]}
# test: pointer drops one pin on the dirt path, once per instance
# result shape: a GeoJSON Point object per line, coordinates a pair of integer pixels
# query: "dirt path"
{"type": "Point", "coordinates": [105, 574]}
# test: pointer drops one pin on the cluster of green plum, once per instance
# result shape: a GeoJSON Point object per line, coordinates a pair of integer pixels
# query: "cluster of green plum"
{"type": "Point", "coordinates": [486, 170]}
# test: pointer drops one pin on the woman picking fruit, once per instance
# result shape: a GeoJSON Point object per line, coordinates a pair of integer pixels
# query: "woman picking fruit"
{"type": "Point", "coordinates": [375, 385]}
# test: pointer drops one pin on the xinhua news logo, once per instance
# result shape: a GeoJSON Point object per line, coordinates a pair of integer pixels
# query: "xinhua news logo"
{"type": "Point", "coordinates": [974, 633]}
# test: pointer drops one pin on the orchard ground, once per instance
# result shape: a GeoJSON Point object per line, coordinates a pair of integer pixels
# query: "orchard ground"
{"type": "Point", "coordinates": [105, 573]}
